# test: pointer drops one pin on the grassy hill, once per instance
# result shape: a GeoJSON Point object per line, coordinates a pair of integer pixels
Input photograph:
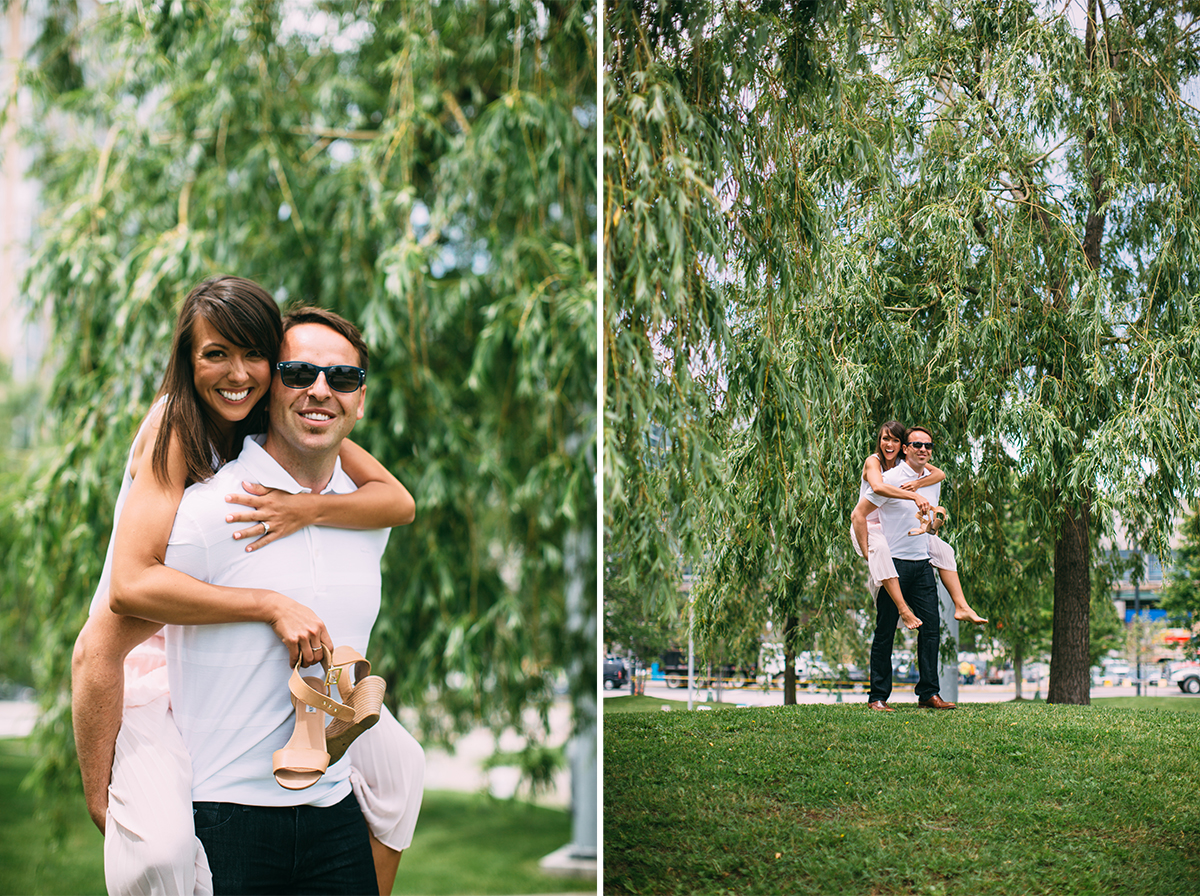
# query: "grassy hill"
{"type": "Point", "coordinates": [999, 798]}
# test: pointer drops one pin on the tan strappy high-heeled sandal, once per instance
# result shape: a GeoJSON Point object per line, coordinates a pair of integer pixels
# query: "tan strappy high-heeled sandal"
{"type": "Point", "coordinates": [302, 761]}
{"type": "Point", "coordinates": [926, 518]}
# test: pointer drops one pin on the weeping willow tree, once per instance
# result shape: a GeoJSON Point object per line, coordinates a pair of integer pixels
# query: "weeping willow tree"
{"type": "Point", "coordinates": [978, 217]}
{"type": "Point", "coordinates": [716, 330]}
{"type": "Point", "coordinates": [1040, 235]}
{"type": "Point", "coordinates": [428, 171]}
{"type": "Point", "coordinates": [697, 201]}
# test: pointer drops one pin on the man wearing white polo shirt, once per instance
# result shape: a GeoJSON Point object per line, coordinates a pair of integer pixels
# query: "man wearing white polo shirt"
{"type": "Point", "coordinates": [910, 553]}
{"type": "Point", "coordinates": [229, 682]}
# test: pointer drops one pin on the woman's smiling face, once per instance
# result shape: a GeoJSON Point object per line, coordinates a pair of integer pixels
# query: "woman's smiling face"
{"type": "Point", "coordinates": [229, 378]}
{"type": "Point", "coordinates": [889, 446]}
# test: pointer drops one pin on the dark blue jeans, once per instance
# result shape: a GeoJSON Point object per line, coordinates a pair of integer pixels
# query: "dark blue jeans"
{"type": "Point", "coordinates": [920, 592]}
{"type": "Point", "coordinates": [287, 849]}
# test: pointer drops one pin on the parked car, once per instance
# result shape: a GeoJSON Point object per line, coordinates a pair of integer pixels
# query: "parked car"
{"type": "Point", "coordinates": [1188, 678]}
{"type": "Point", "coordinates": [1117, 673]}
{"type": "Point", "coordinates": [615, 673]}
{"type": "Point", "coordinates": [845, 678]}
{"type": "Point", "coordinates": [812, 671]}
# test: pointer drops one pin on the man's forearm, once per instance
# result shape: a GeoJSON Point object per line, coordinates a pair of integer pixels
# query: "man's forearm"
{"type": "Point", "coordinates": [96, 712]}
{"type": "Point", "coordinates": [97, 699]}
{"type": "Point", "coordinates": [858, 520]}
{"type": "Point", "coordinates": [97, 689]}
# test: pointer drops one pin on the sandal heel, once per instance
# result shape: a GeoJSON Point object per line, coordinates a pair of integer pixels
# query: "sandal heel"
{"type": "Point", "coordinates": [364, 697]}
{"type": "Point", "coordinates": [367, 701]}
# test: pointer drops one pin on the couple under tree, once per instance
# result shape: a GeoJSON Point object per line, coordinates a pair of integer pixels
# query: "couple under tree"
{"type": "Point", "coordinates": [205, 757]}
{"type": "Point", "coordinates": [902, 549]}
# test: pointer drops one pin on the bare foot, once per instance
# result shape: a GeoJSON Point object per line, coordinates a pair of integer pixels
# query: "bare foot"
{"type": "Point", "coordinates": [910, 620]}
{"type": "Point", "coordinates": [970, 616]}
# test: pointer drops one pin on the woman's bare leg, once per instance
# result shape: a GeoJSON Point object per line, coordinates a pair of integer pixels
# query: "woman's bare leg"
{"type": "Point", "coordinates": [387, 861]}
{"type": "Point", "coordinates": [907, 616]}
{"type": "Point", "coordinates": [962, 610]}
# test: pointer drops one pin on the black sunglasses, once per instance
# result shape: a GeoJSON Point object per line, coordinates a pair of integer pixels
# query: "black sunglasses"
{"type": "Point", "coordinates": [928, 445]}
{"type": "Point", "coordinates": [301, 375]}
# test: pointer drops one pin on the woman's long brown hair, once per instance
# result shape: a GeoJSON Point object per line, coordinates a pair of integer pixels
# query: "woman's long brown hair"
{"type": "Point", "coordinates": [245, 314]}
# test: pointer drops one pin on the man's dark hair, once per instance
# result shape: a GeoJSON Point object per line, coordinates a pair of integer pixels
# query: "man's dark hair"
{"type": "Point", "coordinates": [311, 314]}
{"type": "Point", "coordinates": [908, 433]}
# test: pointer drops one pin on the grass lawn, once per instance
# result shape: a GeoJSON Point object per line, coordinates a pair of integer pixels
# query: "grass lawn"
{"type": "Point", "coordinates": [1181, 703]}
{"type": "Point", "coordinates": [27, 863]}
{"type": "Point", "coordinates": [464, 844]}
{"type": "Point", "coordinates": [471, 843]}
{"type": "Point", "coordinates": [991, 798]}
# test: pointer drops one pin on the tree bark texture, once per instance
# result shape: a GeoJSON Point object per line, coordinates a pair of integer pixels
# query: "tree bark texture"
{"type": "Point", "coordinates": [1070, 677]}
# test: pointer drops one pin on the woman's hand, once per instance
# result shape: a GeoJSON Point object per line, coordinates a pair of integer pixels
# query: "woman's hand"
{"type": "Point", "coordinates": [301, 630]}
{"type": "Point", "coordinates": [921, 501]}
{"type": "Point", "coordinates": [274, 513]}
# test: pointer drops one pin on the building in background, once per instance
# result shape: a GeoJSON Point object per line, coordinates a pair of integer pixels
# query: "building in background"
{"type": "Point", "coordinates": [1138, 590]}
{"type": "Point", "coordinates": [1136, 595]}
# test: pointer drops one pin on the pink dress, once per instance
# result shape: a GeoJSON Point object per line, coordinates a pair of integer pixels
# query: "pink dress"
{"type": "Point", "coordinates": [150, 844]}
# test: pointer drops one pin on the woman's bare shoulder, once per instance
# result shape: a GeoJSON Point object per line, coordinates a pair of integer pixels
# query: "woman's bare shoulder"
{"type": "Point", "coordinates": [147, 435]}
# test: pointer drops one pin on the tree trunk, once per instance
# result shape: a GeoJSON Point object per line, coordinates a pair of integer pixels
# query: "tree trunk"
{"type": "Point", "coordinates": [1070, 681]}
{"type": "Point", "coordinates": [789, 659]}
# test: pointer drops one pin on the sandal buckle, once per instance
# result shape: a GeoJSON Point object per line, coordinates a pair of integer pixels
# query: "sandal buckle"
{"type": "Point", "coordinates": [332, 676]}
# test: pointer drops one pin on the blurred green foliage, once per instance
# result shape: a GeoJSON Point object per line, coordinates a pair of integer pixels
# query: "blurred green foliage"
{"type": "Point", "coordinates": [425, 169]}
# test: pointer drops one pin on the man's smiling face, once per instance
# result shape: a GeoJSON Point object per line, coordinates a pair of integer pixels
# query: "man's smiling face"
{"type": "Point", "coordinates": [312, 422]}
{"type": "Point", "coordinates": [918, 457]}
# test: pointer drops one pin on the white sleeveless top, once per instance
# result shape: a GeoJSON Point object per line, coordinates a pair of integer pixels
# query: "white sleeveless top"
{"type": "Point", "coordinates": [102, 587]}
{"type": "Point", "coordinates": [864, 489]}
{"type": "Point", "coordinates": [146, 664]}
{"type": "Point", "coordinates": [126, 483]}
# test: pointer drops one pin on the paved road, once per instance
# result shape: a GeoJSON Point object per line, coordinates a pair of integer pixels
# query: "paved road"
{"type": "Point", "coordinates": [973, 693]}
{"type": "Point", "coordinates": [16, 718]}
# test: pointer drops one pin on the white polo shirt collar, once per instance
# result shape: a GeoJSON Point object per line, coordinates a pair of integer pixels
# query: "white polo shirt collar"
{"type": "Point", "coordinates": [266, 471]}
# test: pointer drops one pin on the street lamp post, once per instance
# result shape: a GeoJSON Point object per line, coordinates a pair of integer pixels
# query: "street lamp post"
{"type": "Point", "coordinates": [1137, 634]}
{"type": "Point", "coordinates": [691, 652]}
